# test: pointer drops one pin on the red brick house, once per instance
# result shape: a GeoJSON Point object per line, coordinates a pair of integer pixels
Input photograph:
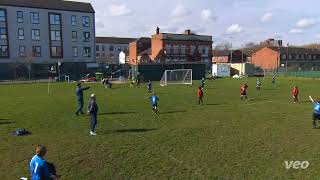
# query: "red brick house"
{"type": "Point", "coordinates": [271, 58]}
{"type": "Point", "coordinates": [168, 48]}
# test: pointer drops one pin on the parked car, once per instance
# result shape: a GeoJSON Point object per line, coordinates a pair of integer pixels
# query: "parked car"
{"type": "Point", "coordinates": [89, 78]}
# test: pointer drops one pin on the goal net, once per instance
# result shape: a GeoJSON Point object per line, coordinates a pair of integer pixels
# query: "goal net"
{"type": "Point", "coordinates": [176, 76]}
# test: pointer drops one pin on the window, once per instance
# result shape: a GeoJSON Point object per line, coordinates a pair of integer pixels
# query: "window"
{"type": "Point", "coordinates": [35, 34]}
{"type": "Point", "coordinates": [203, 50]}
{"type": "Point", "coordinates": [2, 16]}
{"type": "Point", "coordinates": [175, 49]}
{"type": "Point", "coordinates": [19, 16]}
{"type": "Point", "coordinates": [283, 56]}
{"type": "Point", "coordinates": [183, 49]}
{"type": "Point", "coordinates": [111, 48]}
{"type": "Point", "coordinates": [75, 51]}
{"type": "Point", "coordinates": [193, 49]}
{"type": "Point", "coordinates": [87, 52]}
{"type": "Point", "coordinates": [73, 20]}
{"type": "Point", "coordinates": [55, 19]}
{"type": "Point", "coordinates": [35, 18]}
{"type": "Point", "coordinates": [206, 49]}
{"type": "Point", "coordinates": [22, 51]}
{"type": "Point", "coordinates": [21, 34]}
{"type": "Point", "coordinates": [86, 21]}
{"type": "Point", "coordinates": [125, 48]}
{"type": "Point", "coordinates": [56, 51]}
{"type": "Point", "coordinates": [3, 33]}
{"type": "Point", "coordinates": [4, 51]}
{"type": "Point", "coordinates": [168, 49]}
{"type": "Point", "coordinates": [74, 36]}
{"type": "Point", "coordinates": [97, 55]}
{"type": "Point", "coordinates": [97, 47]}
{"type": "Point", "coordinates": [314, 56]}
{"type": "Point", "coordinates": [119, 48]}
{"type": "Point", "coordinates": [103, 48]}
{"type": "Point", "coordinates": [86, 36]}
{"type": "Point", "coordinates": [55, 35]}
{"type": "Point", "coordinates": [36, 51]}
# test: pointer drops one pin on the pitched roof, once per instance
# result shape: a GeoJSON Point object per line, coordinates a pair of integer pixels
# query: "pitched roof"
{"type": "Point", "coordinates": [217, 53]}
{"type": "Point", "coordinates": [185, 37]}
{"type": "Point", "coordinates": [296, 50]}
{"type": "Point", "coordinates": [221, 53]}
{"type": "Point", "coordinates": [114, 40]}
{"type": "Point", "coordinates": [51, 4]}
{"type": "Point", "coordinates": [147, 51]}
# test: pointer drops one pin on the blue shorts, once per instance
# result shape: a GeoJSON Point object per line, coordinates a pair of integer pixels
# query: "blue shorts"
{"type": "Point", "coordinates": [316, 116]}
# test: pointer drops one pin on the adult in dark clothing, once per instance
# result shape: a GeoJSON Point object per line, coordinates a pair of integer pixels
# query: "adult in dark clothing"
{"type": "Point", "coordinates": [79, 94]}
{"type": "Point", "coordinates": [93, 110]}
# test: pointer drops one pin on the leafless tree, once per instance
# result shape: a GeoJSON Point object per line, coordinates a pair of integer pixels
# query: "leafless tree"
{"type": "Point", "coordinates": [28, 61]}
{"type": "Point", "coordinates": [223, 46]}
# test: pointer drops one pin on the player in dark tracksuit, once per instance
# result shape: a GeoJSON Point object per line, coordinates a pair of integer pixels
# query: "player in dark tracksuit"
{"type": "Point", "coordinates": [79, 94]}
{"type": "Point", "coordinates": [93, 110]}
{"type": "Point", "coordinates": [149, 87]}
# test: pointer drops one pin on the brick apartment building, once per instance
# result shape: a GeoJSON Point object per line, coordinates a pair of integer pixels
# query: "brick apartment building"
{"type": "Point", "coordinates": [168, 48]}
{"type": "Point", "coordinates": [270, 58]}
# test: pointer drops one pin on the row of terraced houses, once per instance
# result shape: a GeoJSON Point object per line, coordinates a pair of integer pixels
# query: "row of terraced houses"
{"type": "Point", "coordinates": [43, 33]}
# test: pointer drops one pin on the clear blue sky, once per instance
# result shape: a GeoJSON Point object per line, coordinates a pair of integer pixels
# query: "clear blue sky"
{"type": "Point", "coordinates": [239, 21]}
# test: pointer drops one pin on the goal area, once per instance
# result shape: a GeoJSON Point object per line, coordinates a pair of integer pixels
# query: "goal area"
{"type": "Point", "coordinates": [176, 76]}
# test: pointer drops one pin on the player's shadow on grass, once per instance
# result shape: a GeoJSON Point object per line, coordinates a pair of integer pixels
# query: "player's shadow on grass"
{"type": "Point", "coordinates": [6, 122]}
{"type": "Point", "coordinates": [134, 130]}
{"type": "Point", "coordinates": [172, 112]}
{"type": "Point", "coordinates": [117, 113]}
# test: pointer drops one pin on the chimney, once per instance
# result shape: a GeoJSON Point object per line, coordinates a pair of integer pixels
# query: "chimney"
{"type": "Point", "coordinates": [158, 30]}
{"type": "Point", "coordinates": [187, 32]}
{"type": "Point", "coordinates": [280, 43]}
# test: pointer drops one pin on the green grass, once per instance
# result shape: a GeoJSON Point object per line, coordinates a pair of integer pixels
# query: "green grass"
{"type": "Point", "coordinates": [225, 139]}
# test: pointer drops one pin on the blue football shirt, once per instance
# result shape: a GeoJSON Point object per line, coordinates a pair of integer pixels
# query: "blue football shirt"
{"type": "Point", "coordinates": [316, 107]}
{"type": "Point", "coordinates": [39, 168]}
{"type": "Point", "coordinates": [154, 99]}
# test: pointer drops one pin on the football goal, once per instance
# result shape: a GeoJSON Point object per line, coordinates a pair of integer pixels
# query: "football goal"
{"type": "Point", "coordinates": [176, 76]}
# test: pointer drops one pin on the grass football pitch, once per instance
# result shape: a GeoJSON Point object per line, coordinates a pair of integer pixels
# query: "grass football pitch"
{"type": "Point", "coordinates": [224, 139]}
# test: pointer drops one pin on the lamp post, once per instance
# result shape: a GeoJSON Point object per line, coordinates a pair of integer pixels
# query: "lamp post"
{"type": "Point", "coordinates": [59, 64]}
{"type": "Point", "coordinates": [287, 56]}
{"type": "Point", "coordinates": [231, 54]}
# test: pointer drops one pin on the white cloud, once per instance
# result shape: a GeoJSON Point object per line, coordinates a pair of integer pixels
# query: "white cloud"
{"type": "Point", "coordinates": [267, 17]}
{"type": "Point", "coordinates": [206, 14]}
{"type": "Point", "coordinates": [296, 31]}
{"type": "Point", "coordinates": [180, 11]}
{"type": "Point", "coordinates": [119, 10]}
{"type": "Point", "coordinates": [306, 23]}
{"type": "Point", "coordinates": [234, 29]}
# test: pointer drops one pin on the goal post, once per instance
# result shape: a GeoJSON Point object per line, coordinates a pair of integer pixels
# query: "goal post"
{"type": "Point", "coordinates": [176, 76]}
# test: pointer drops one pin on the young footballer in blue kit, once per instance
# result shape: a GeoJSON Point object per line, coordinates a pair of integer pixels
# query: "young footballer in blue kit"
{"type": "Point", "coordinates": [316, 111]}
{"type": "Point", "coordinates": [154, 102]}
{"type": "Point", "coordinates": [39, 167]}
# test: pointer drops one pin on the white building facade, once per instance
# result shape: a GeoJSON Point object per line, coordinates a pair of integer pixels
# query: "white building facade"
{"type": "Point", "coordinates": [108, 49]}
